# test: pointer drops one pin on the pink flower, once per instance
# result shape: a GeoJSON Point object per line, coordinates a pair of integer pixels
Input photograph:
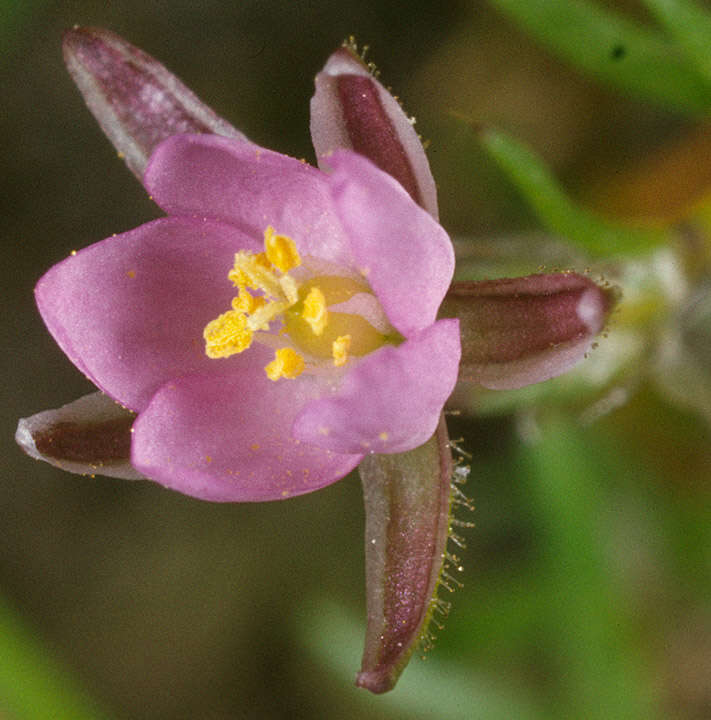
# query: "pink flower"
{"type": "Point", "coordinates": [130, 313]}
{"type": "Point", "coordinates": [280, 324]}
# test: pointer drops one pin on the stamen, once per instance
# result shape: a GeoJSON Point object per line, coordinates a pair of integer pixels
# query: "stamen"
{"type": "Point", "coordinates": [254, 271]}
{"type": "Point", "coordinates": [245, 302]}
{"type": "Point", "coordinates": [315, 312]}
{"type": "Point", "coordinates": [227, 335]}
{"type": "Point", "coordinates": [264, 314]}
{"type": "Point", "coordinates": [326, 317]}
{"type": "Point", "coordinates": [287, 363]}
{"type": "Point", "coordinates": [290, 288]}
{"type": "Point", "coordinates": [281, 250]}
{"type": "Point", "coordinates": [341, 345]}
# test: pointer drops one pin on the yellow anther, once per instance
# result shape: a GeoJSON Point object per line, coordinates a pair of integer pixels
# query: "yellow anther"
{"type": "Point", "coordinates": [341, 345]}
{"type": "Point", "coordinates": [315, 312]}
{"type": "Point", "coordinates": [281, 250]}
{"type": "Point", "coordinates": [227, 335]}
{"type": "Point", "coordinates": [245, 302]}
{"type": "Point", "coordinates": [287, 363]}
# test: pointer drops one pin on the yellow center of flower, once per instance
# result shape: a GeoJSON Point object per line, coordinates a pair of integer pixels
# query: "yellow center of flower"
{"type": "Point", "coordinates": [311, 335]}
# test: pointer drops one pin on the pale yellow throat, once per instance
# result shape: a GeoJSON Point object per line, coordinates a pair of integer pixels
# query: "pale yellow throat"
{"type": "Point", "coordinates": [311, 335]}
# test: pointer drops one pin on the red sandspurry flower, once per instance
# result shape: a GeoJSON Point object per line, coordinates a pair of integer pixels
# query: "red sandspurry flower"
{"type": "Point", "coordinates": [322, 345]}
{"type": "Point", "coordinates": [279, 326]}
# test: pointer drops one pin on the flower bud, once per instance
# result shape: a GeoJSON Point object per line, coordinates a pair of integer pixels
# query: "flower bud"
{"type": "Point", "coordinates": [520, 331]}
{"type": "Point", "coordinates": [351, 109]}
{"type": "Point", "coordinates": [135, 99]}
{"type": "Point", "coordinates": [87, 436]}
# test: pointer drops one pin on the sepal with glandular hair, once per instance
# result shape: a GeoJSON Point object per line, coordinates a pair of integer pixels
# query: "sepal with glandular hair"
{"type": "Point", "coordinates": [136, 100]}
{"type": "Point", "coordinates": [406, 495]}
{"type": "Point", "coordinates": [87, 436]}
{"type": "Point", "coordinates": [520, 331]}
{"type": "Point", "coordinates": [351, 109]}
{"type": "Point", "coordinates": [407, 500]}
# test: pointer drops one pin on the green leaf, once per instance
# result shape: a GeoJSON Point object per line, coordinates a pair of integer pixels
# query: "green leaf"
{"type": "Point", "coordinates": [690, 25]}
{"type": "Point", "coordinates": [567, 477]}
{"type": "Point", "coordinates": [556, 210]}
{"type": "Point", "coordinates": [616, 50]}
{"type": "Point", "coordinates": [33, 686]}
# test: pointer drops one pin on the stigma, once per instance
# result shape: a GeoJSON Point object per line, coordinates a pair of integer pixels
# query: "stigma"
{"type": "Point", "coordinates": [310, 337]}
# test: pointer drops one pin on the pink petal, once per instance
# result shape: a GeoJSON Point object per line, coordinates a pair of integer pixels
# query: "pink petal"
{"type": "Point", "coordinates": [227, 437]}
{"type": "Point", "coordinates": [129, 311]}
{"type": "Point", "coordinates": [137, 102]}
{"type": "Point", "coordinates": [91, 435]}
{"type": "Point", "coordinates": [352, 110]}
{"type": "Point", "coordinates": [391, 401]}
{"type": "Point", "coordinates": [520, 331]}
{"type": "Point", "coordinates": [249, 187]}
{"type": "Point", "coordinates": [406, 256]}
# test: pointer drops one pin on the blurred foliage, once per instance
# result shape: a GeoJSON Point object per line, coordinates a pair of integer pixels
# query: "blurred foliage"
{"type": "Point", "coordinates": [33, 686]}
{"type": "Point", "coordinates": [587, 577]}
{"type": "Point", "coordinates": [555, 209]}
{"type": "Point", "coordinates": [613, 48]}
{"type": "Point", "coordinates": [690, 25]}
{"type": "Point", "coordinates": [13, 15]}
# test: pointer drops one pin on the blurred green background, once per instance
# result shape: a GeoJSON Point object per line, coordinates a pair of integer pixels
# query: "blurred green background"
{"type": "Point", "coordinates": [587, 576]}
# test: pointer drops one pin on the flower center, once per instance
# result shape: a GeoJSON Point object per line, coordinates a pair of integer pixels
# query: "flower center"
{"type": "Point", "coordinates": [324, 318]}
